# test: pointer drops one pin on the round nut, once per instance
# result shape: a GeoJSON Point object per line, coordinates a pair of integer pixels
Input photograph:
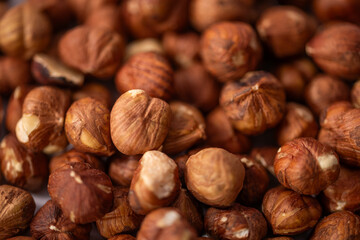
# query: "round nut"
{"type": "Point", "coordinates": [96, 91]}
{"type": "Point", "coordinates": [122, 168]}
{"type": "Point", "coordinates": [9, 78]}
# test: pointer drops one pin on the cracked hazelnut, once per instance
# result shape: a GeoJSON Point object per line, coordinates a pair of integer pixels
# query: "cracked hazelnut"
{"type": "Point", "coordinates": [149, 71]}
{"type": "Point", "coordinates": [13, 73]}
{"type": "Point", "coordinates": [214, 176]}
{"type": "Point", "coordinates": [83, 8]}
{"type": "Point", "coordinates": [139, 123]}
{"type": "Point", "coordinates": [230, 49]}
{"type": "Point", "coordinates": [106, 17]}
{"type": "Point", "coordinates": [122, 168]}
{"type": "Point", "coordinates": [83, 194]}
{"type": "Point", "coordinates": [149, 191]}
{"type": "Point", "coordinates": [17, 208]}
{"type": "Point", "coordinates": [290, 213]}
{"type": "Point", "coordinates": [50, 223]}
{"type": "Point", "coordinates": [96, 91]}
{"type": "Point", "coordinates": [123, 237]}
{"type": "Point", "coordinates": [143, 45]}
{"type": "Point", "coordinates": [244, 104]}
{"type": "Point", "coordinates": [265, 156]}
{"type": "Point", "coordinates": [355, 94]}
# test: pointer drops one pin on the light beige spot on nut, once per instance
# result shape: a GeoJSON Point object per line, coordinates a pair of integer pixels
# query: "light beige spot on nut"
{"type": "Point", "coordinates": [25, 126]}
{"type": "Point", "coordinates": [104, 188]}
{"type": "Point", "coordinates": [243, 233]}
{"type": "Point", "coordinates": [72, 216]}
{"type": "Point", "coordinates": [54, 228]}
{"type": "Point", "coordinates": [327, 161]}
{"type": "Point", "coordinates": [223, 219]}
{"type": "Point", "coordinates": [134, 92]}
{"type": "Point", "coordinates": [238, 58]}
{"type": "Point", "coordinates": [76, 177]}
{"type": "Point", "coordinates": [168, 219]}
{"type": "Point", "coordinates": [247, 162]}
{"type": "Point", "coordinates": [89, 140]}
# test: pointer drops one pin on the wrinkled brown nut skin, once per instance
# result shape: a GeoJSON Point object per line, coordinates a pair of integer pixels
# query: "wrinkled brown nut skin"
{"type": "Point", "coordinates": [214, 176]}
{"type": "Point", "coordinates": [122, 168]}
{"type": "Point", "coordinates": [244, 102]}
{"type": "Point", "coordinates": [237, 222]}
{"type": "Point", "coordinates": [89, 192]}
{"type": "Point", "coordinates": [13, 72]}
{"type": "Point", "coordinates": [306, 166]}
{"type": "Point", "coordinates": [149, 191]}
{"type": "Point", "coordinates": [87, 127]}
{"type": "Point", "coordinates": [355, 94]}
{"type": "Point", "coordinates": [139, 123]}
{"type": "Point", "coordinates": [298, 122]}
{"type": "Point", "coordinates": [149, 71]}
{"type": "Point", "coordinates": [335, 54]}
{"type": "Point", "coordinates": [123, 237]}
{"type": "Point", "coordinates": [50, 223]}
{"type": "Point", "coordinates": [83, 8]}
{"type": "Point", "coordinates": [94, 90]}
{"type": "Point", "coordinates": [290, 213]}
{"type": "Point", "coordinates": [17, 208]}
{"type": "Point", "coordinates": [24, 31]}
{"type": "Point", "coordinates": [164, 224]}
{"type": "Point", "coordinates": [56, 145]}
{"type": "Point", "coordinates": [339, 225]}
{"type": "Point", "coordinates": [121, 218]}
{"type": "Point", "coordinates": [230, 49]}
{"type": "Point", "coordinates": [93, 51]}
{"type": "Point", "coordinates": [265, 156]}
{"type": "Point", "coordinates": [106, 17]}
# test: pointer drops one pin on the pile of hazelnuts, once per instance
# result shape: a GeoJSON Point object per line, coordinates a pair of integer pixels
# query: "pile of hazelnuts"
{"type": "Point", "coordinates": [180, 120]}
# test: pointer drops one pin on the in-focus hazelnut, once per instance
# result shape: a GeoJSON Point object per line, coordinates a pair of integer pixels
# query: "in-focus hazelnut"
{"type": "Point", "coordinates": [13, 72]}
{"type": "Point", "coordinates": [122, 168]}
{"type": "Point", "coordinates": [96, 91]}
{"type": "Point", "coordinates": [265, 156]}
{"type": "Point", "coordinates": [106, 17]}
{"type": "Point", "coordinates": [355, 94]}
{"type": "Point", "coordinates": [143, 45]}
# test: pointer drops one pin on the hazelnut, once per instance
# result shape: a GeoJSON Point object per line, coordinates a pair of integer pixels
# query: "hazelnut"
{"type": "Point", "coordinates": [87, 127]}
{"type": "Point", "coordinates": [181, 162]}
{"type": "Point", "coordinates": [214, 176]}
{"type": "Point", "coordinates": [24, 31]}
{"type": "Point", "coordinates": [17, 208]}
{"type": "Point", "coordinates": [265, 156]}
{"type": "Point", "coordinates": [139, 123]}
{"type": "Point", "coordinates": [290, 213]}
{"type": "Point", "coordinates": [149, 71]}
{"type": "Point", "coordinates": [230, 49]}
{"type": "Point", "coordinates": [220, 133]}
{"type": "Point", "coordinates": [306, 166]}
{"type": "Point", "coordinates": [339, 225]}
{"type": "Point", "coordinates": [355, 94]}
{"type": "Point", "coordinates": [83, 8]}
{"type": "Point", "coordinates": [22, 167]}
{"type": "Point", "coordinates": [123, 237]}
{"type": "Point", "coordinates": [297, 122]}
{"type": "Point", "coordinates": [94, 51]}
{"type": "Point", "coordinates": [244, 104]}
{"type": "Point", "coordinates": [106, 17]}
{"type": "Point", "coordinates": [122, 168]}
{"type": "Point", "coordinates": [88, 192]}
{"type": "Point", "coordinates": [56, 145]}
{"type": "Point", "coordinates": [96, 91]}
{"type": "Point", "coordinates": [187, 83]}
{"type": "Point", "coordinates": [335, 54]}
{"type": "Point", "coordinates": [48, 70]}
{"type": "Point", "coordinates": [43, 117]}
{"type": "Point", "coordinates": [186, 129]}
{"type": "Point", "coordinates": [343, 194]}
{"type": "Point", "coordinates": [285, 30]}
{"type": "Point", "coordinates": [151, 19]}
{"type": "Point", "coordinates": [325, 90]}
{"type": "Point", "coordinates": [143, 45]}
{"type": "Point", "coordinates": [166, 223]}
{"type": "Point", "coordinates": [50, 223]}
{"type": "Point", "coordinates": [13, 72]}
{"type": "Point", "coordinates": [149, 191]}
{"type": "Point", "coordinates": [121, 218]}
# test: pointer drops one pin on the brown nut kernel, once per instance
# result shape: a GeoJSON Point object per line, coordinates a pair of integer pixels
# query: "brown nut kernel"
{"type": "Point", "coordinates": [122, 168]}
{"type": "Point", "coordinates": [143, 45]}
{"type": "Point", "coordinates": [355, 94]}
{"type": "Point", "coordinates": [89, 192]}
{"type": "Point", "coordinates": [83, 8]}
{"type": "Point", "coordinates": [166, 223]}
{"type": "Point", "coordinates": [94, 51]}
{"type": "Point", "coordinates": [96, 91]}
{"type": "Point", "coordinates": [214, 176]}
{"type": "Point", "coordinates": [306, 166]}
{"type": "Point", "coordinates": [244, 104]}
{"type": "Point", "coordinates": [121, 218]}
{"type": "Point", "coordinates": [237, 222]}
{"type": "Point", "coordinates": [50, 223]}
{"type": "Point", "coordinates": [149, 191]}
{"type": "Point", "coordinates": [290, 213]}
{"type": "Point", "coordinates": [13, 73]}
{"type": "Point", "coordinates": [139, 123]}
{"type": "Point", "coordinates": [123, 237]}
{"type": "Point", "coordinates": [106, 17]}
{"type": "Point", "coordinates": [265, 156]}
{"type": "Point", "coordinates": [24, 31]}
{"type": "Point", "coordinates": [149, 71]}
{"type": "Point", "coordinates": [17, 208]}
{"type": "Point", "coordinates": [230, 49]}
{"type": "Point", "coordinates": [335, 54]}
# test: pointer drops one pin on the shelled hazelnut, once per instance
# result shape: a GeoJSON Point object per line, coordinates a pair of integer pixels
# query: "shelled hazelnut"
{"type": "Point", "coordinates": [106, 17]}
{"type": "Point", "coordinates": [265, 156]}
{"type": "Point", "coordinates": [122, 168]}
{"type": "Point", "coordinates": [143, 45]}
{"type": "Point", "coordinates": [83, 8]}
{"type": "Point", "coordinates": [13, 73]}
{"type": "Point", "coordinates": [96, 91]}
{"type": "Point", "coordinates": [230, 49]}
{"type": "Point", "coordinates": [290, 213]}
{"type": "Point", "coordinates": [50, 223]}
{"type": "Point", "coordinates": [149, 191]}
{"type": "Point", "coordinates": [57, 144]}
{"type": "Point", "coordinates": [123, 237]}
{"type": "Point", "coordinates": [243, 102]}
{"type": "Point", "coordinates": [182, 159]}
{"type": "Point", "coordinates": [355, 94]}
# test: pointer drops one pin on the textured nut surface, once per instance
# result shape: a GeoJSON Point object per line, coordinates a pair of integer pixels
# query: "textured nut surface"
{"type": "Point", "coordinates": [265, 156]}
{"type": "Point", "coordinates": [13, 72]}
{"type": "Point", "coordinates": [96, 91]}
{"type": "Point", "coordinates": [122, 168]}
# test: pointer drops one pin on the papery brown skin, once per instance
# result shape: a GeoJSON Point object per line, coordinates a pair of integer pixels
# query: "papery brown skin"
{"type": "Point", "coordinates": [343, 10]}
{"type": "Point", "coordinates": [50, 223]}
{"type": "Point", "coordinates": [237, 222]}
{"type": "Point", "coordinates": [13, 72]}
{"type": "Point", "coordinates": [83, 8]}
{"type": "Point", "coordinates": [214, 176]}
{"type": "Point", "coordinates": [123, 237]}
{"type": "Point", "coordinates": [139, 123]}
{"type": "Point", "coordinates": [93, 51]}
{"type": "Point", "coordinates": [17, 208]}
{"type": "Point", "coordinates": [106, 17]}
{"type": "Point", "coordinates": [355, 94]}
{"type": "Point", "coordinates": [96, 91]}
{"type": "Point", "coordinates": [121, 218]}
{"type": "Point", "coordinates": [89, 192]}
{"type": "Point", "coordinates": [230, 49]}
{"type": "Point", "coordinates": [87, 127]}
{"type": "Point", "coordinates": [254, 103]}
{"type": "Point", "coordinates": [149, 71]}
{"type": "Point", "coordinates": [122, 168]}
{"type": "Point", "coordinates": [335, 54]}
{"type": "Point", "coordinates": [164, 224]}
{"type": "Point", "coordinates": [339, 225]}
{"type": "Point", "coordinates": [290, 213]}
{"type": "Point", "coordinates": [265, 156]}
{"type": "Point", "coordinates": [24, 31]}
